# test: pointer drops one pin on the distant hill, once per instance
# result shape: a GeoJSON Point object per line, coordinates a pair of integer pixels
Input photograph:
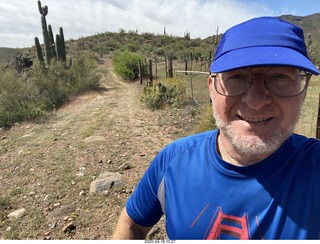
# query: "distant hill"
{"type": "Point", "coordinates": [7, 54]}
{"type": "Point", "coordinates": [106, 43]}
{"type": "Point", "coordinates": [309, 24]}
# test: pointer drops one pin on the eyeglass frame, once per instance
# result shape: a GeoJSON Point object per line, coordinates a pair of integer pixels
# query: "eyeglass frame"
{"type": "Point", "coordinates": [307, 77]}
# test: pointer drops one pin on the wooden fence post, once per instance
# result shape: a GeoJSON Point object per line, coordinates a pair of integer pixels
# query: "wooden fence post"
{"type": "Point", "coordinates": [318, 121]}
{"type": "Point", "coordinates": [186, 66]}
{"type": "Point", "coordinates": [150, 71]}
{"type": "Point", "coordinates": [165, 63]}
{"type": "Point", "coordinates": [140, 71]}
{"type": "Point", "coordinates": [170, 68]}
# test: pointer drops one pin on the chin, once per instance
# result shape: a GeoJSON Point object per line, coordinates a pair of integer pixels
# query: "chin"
{"type": "Point", "coordinates": [256, 145]}
{"type": "Point", "coordinates": [251, 144]}
{"type": "Point", "coordinates": [254, 142]}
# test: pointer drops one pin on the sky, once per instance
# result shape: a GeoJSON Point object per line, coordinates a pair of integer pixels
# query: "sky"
{"type": "Point", "coordinates": [20, 19]}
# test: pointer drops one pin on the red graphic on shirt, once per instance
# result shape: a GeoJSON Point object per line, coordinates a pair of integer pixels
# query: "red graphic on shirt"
{"type": "Point", "coordinates": [236, 227]}
{"type": "Point", "coordinates": [225, 226]}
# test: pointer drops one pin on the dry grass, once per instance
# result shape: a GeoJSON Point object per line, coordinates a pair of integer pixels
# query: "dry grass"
{"type": "Point", "coordinates": [46, 165]}
{"type": "Point", "coordinates": [308, 119]}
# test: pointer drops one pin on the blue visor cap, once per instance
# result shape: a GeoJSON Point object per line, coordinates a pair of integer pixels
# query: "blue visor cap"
{"type": "Point", "coordinates": [264, 41]}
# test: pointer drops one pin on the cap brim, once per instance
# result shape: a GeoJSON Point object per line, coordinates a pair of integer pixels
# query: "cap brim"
{"type": "Point", "coordinates": [262, 56]}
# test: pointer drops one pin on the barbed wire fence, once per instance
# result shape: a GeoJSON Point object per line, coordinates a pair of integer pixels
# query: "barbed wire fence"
{"type": "Point", "coordinates": [195, 74]}
{"type": "Point", "coordinates": [309, 122]}
{"type": "Point", "coordinates": [196, 85]}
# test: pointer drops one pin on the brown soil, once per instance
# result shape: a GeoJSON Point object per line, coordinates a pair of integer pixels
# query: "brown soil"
{"type": "Point", "coordinates": [47, 167]}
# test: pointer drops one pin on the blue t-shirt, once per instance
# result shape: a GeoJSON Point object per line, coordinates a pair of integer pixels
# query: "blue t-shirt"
{"type": "Point", "coordinates": [204, 197]}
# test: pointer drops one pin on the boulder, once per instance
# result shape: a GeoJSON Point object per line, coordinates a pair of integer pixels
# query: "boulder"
{"type": "Point", "coordinates": [105, 182]}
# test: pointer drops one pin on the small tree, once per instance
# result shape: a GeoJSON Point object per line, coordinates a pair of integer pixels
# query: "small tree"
{"type": "Point", "coordinates": [125, 64]}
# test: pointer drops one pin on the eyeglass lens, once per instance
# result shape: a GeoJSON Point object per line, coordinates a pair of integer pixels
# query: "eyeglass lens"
{"type": "Point", "coordinates": [280, 81]}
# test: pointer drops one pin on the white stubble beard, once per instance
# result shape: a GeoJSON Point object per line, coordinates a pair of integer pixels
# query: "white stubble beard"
{"type": "Point", "coordinates": [250, 146]}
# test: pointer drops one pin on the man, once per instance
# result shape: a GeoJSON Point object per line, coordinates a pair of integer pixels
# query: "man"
{"type": "Point", "coordinates": [252, 178]}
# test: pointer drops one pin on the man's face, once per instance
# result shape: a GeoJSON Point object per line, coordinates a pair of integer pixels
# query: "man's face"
{"type": "Point", "coordinates": [255, 123]}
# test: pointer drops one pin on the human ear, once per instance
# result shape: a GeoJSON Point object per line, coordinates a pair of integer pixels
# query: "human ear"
{"type": "Point", "coordinates": [210, 85]}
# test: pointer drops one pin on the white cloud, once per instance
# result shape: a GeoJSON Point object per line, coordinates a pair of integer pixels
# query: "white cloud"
{"type": "Point", "coordinates": [20, 20]}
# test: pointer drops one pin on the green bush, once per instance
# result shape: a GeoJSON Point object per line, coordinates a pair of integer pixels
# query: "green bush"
{"type": "Point", "coordinates": [125, 64]}
{"type": "Point", "coordinates": [170, 91]}
{"type": "Point", "coordinates": [18, 100]}
{"type": "Point", "coordinates": [48, 88]}
{"type": "Point", "coordinates": [57, 82]}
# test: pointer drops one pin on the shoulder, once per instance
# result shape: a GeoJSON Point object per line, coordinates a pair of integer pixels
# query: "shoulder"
{"type": "Point", "coordinates": [185, 148]}
{"type": "Point", "coordinates": [305, 144]}
{"type": "Point", "coordinates": [192, 141]}
{"type": "Point", "coordinates": [307, 148]}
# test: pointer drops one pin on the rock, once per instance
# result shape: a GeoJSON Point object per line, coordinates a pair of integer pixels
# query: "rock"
{"type": "Point", "coordinates": [69, 227]}
{"type": "Point", "coordinates": [28, 135]}
{"type": "Point", "coordinates": [3, 137]}
{"type": "Point", "coordinates": [124, 166]}
{"type": "Point", "coordinates": [63, 211]}
{"type": "Point", "coordinates": [94, 139]}
{"type": "Point", "coordinates": [81, 174]}
{"type": "Point", "coordinates": [105, 182]}
{"type": "Point", "coordinates": [153, 232]}
{"type": "Point", "coordinates": [17, 213]}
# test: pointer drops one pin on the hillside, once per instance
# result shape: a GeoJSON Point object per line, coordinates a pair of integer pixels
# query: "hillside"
{"type": "Point", "coordinates": [47, 167]}
{"type": "Point", "coordinates": [309, 24]}
{"type": "Point", "coordinates": [151, 45]}
{"type": "Point", "coordinates": [8, 54]}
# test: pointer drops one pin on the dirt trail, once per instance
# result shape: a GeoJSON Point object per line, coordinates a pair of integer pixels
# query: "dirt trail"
{"type": "Point", "coordinates": [49, 165]}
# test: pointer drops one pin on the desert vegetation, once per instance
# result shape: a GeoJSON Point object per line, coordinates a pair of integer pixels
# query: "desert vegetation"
{"type": "Point", "coordinates": [65, 121]}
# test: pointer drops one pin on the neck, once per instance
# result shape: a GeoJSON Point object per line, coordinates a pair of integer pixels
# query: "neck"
{"type": "Point", "coordinates": [231, 155]}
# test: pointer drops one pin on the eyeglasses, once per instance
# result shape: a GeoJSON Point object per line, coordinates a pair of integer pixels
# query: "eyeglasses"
{"type": "Point", "coordinates": [279, 81]}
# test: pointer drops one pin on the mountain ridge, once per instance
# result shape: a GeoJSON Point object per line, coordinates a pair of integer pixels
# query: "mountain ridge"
{"type": "Point", "coordinates": [310, 25]}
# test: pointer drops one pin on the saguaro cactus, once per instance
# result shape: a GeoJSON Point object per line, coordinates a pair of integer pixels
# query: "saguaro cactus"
{"type": "Point", "coordinates": [52, 44]}
{"type": "Point", "coordinates": [58, 47]}
{"type": "Point", "coordinates": [52, 49]}
{"type": "Point", "coordinates": [39, 51]}
{"type": "Point", "coordinates": [63, 46]}
{"type": "Point", "coordinates": [44, 11]}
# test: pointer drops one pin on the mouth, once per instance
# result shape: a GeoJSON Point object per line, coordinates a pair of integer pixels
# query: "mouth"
{"type": "Point", "coordinates": [256, 121]}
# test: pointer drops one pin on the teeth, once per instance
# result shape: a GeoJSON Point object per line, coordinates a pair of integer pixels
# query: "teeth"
{"type": "Point", "coordinates": [255, 120]}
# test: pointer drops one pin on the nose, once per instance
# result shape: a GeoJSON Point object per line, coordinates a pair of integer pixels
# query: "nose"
{"type": "Point", "coordinates": [257, 96]}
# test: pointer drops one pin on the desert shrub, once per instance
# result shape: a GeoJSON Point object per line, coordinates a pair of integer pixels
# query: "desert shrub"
{"type": "Point", "coordinates": [125, 64]}
{"type": "Point", "coordinates": [18, 100]}
{"type": "Point", "coordinates": [206, 120]}
{"type": "Point", "coordinates": [82, 75]}
{"type": "Point", "coordinates": [168, 92]}
{"type": "Point", "coordinates": [51, 82]}
{"type": "Point", "coordinates": [151, 96]}
{"type": "Point", "coordinates": [57, 82]}
{"type": "Point", "coordinates": [47, 88]}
